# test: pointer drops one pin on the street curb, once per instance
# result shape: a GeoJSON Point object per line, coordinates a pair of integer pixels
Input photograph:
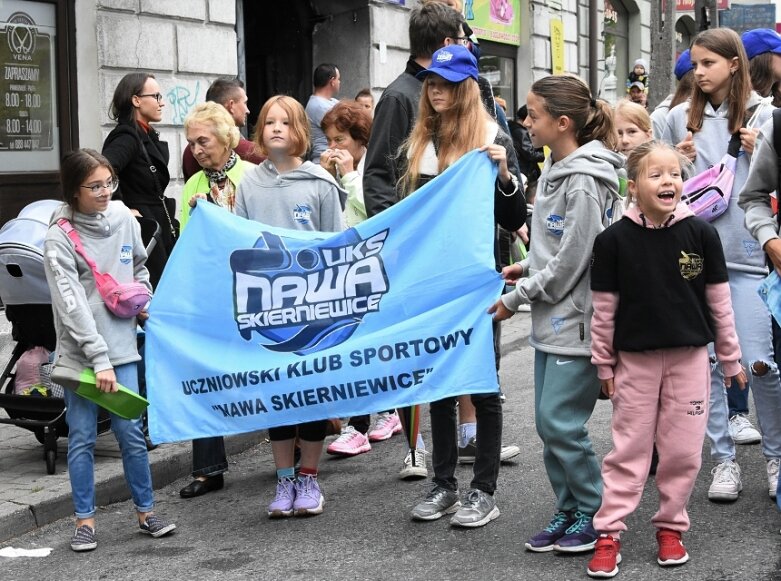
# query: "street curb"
{"type": "Point", "coordinates": [168, 463]}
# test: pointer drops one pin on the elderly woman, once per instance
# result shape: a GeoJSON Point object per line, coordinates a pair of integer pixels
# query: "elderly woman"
{"type": "Point", "coordinates": [211, 136]}
{"type": "Point", "coordinates": [347, 127]}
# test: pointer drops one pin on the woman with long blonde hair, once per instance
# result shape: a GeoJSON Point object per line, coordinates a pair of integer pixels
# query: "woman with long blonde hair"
{"type": "Point", "coordinates": [452, 122]}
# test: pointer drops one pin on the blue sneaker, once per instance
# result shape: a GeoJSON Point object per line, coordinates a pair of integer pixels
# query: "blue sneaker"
{"type": "Point", "coordinates": [580, 537]}
{"type": "Point", "coordinates": [545, 539]}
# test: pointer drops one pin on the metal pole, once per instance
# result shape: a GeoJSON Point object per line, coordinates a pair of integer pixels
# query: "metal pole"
{"type": "Point", "coordinates": [713, 13]}
{"type": "Point", "coordinates": [594, 35]}
{"type": "Point", "coordinates": [662, 52]}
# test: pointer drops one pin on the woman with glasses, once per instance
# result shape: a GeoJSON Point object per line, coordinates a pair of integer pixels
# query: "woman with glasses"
{"type": "Point", "coordinates": [140, 160]}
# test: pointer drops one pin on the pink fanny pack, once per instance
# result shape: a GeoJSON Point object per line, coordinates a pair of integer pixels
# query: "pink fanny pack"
{"type": "Point", "coordinates": [125, 300]}
{"type": "Point", "coordinates": [707, 194]}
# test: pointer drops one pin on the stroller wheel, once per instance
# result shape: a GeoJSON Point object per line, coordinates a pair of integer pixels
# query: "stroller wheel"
{"type": "Point", "coordinates": [51, 461]}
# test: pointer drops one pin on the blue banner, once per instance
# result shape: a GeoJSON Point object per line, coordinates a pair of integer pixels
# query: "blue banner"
{"type": "Point", "coordinates": [254, 327]}
{"type": "Point", "coordinates": [770, 293]}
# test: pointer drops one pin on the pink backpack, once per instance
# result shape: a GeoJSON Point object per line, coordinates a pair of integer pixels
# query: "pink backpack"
{"type": "Point", "coordinates": [707, 194]}
{"type": "Point", "coordinates": [125, 300]}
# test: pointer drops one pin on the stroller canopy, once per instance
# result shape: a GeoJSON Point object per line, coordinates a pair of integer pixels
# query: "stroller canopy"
{"type": "Point", "coordinates": [22, 277]}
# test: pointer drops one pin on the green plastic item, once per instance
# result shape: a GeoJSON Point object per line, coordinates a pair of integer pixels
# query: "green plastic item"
{"type": "Point", "coordinates": [123, 403]}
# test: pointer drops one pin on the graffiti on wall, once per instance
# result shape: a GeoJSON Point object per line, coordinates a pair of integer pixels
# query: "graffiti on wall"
{"type": "Point", "coordinates": [182, 99]}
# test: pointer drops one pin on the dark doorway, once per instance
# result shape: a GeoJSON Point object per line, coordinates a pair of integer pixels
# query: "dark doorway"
{"type": "Point", "coordinates": [277, 51]}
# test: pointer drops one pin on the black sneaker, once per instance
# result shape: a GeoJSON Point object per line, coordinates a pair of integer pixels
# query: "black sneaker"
{"type": "Point", "coordinates": [466, 454]}
{"type": "Point", "coordinates": [156, 526]}
{"type": "Point", "coordinates": [84, 539]}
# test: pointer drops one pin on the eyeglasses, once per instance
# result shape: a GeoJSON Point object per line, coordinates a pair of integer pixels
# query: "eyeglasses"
{"type": "Point", "coordinates": [97, 189]}
{"type": "Point", "coordinates": [158, 96]}
{"type": "Point", "coordinates": [461, 39]}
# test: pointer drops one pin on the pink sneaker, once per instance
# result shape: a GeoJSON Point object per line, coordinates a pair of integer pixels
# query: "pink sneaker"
{"type": "Point", "coordinates": [386, 426]}
{"type": "Point", "coordinates": [350, 443]}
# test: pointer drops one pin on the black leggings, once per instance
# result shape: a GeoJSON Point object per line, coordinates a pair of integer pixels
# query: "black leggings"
{"type": "Point", "coordinates": [309, 432]}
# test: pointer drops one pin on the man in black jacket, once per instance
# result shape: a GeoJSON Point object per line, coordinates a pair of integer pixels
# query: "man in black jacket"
{"type": "Point", "coordinates": [529, 157]}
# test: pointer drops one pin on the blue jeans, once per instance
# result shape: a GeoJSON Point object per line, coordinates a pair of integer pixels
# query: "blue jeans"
{"type": "Point", "coordinates": [82, 418]}
{"type": "Point", "coordinates": [755, 334]}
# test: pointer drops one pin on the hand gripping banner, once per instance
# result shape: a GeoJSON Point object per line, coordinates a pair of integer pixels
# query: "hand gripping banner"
{"type": "Point", "coordinates": [254, 327]}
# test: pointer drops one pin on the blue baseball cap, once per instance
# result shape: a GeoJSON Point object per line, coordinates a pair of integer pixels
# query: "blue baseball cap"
{"type": "Point", "coordinates": [454, 63]}
{"type": "Point", "coordinates": [683, 65]}
{"type": "Point", "coordinates": [760, 41]}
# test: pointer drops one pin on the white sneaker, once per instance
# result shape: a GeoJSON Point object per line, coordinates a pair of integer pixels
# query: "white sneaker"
{"type": "Point", "coordinates": [772, 476]}
{"type": "Point", "coordinates": [742, 431]}
{"type": "Point", "coordinates": [418, 470]}
{"type": "Point", "coordinates": [726, 483]}
{"type": "Point", "coordinates": [509, 452]}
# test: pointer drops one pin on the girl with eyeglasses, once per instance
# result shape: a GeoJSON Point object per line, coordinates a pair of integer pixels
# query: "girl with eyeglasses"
{"type": "Point", "coordinates": [140, 160]}
{"type": "Point", "coordinates": [89, 336]}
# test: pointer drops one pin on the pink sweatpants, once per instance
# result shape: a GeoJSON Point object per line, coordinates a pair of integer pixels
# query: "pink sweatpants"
{"type": "Point", "coordinates": [660, 394]}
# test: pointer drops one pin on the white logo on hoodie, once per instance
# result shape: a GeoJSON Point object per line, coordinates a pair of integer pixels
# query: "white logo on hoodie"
{"type": "Point", "coordinates": [66, 292]}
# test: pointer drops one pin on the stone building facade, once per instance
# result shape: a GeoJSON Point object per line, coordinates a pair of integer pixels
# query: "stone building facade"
{"type": "Point", "coordinates": [273, 46]}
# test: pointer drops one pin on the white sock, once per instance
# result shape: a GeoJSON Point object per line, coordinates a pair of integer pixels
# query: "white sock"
{"type": "Point", "coordinates": [465, 433]}
{"type": "Point", "coordinates": [420, 444]}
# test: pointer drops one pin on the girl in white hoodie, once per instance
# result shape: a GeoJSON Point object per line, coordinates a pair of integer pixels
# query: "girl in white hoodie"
{"type": "Point", "coordinates": [722, 101]}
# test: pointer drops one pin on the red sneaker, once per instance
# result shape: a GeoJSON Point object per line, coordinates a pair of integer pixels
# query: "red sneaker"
{"type": "Point", "coordinates": [671, 549]}
{"type": "Point", "coordinates": [607, 556]}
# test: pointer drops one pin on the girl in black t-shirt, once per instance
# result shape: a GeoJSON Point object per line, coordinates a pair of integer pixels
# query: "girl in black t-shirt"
{"type": "Point", "coordinates": [661, 294]}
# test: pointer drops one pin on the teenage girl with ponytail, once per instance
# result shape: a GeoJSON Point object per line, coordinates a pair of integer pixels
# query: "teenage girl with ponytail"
{"type": "Point", "coordinates": [576, 193]}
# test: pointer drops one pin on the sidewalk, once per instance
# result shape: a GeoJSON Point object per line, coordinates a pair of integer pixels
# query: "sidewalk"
{"type": "Point", "coordinates": [30, 498]}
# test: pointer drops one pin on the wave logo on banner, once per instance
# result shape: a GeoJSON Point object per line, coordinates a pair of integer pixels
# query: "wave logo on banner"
{"type": "Point", "coordinates": [307, 299]}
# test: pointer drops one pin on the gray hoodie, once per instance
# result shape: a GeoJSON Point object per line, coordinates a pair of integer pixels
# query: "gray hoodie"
{"type": "Point", "coordinates": [741, 250]}
{"type": "Point", "coordinates": [573, 196]}
{"type": "Point", "coordinates": [88, 334]}
{"type": "Point", "coordinates": [762, 179]}
{"type": "Point", "coordinates": [306, 198]}
{"type": "Point", "coordinates": [659, 115]}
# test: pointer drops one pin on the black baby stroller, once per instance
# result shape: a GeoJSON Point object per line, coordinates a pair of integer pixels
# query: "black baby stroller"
{"type": "Point", "coordinates": [25, 294]}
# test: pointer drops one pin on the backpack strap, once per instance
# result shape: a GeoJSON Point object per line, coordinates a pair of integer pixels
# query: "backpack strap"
{"type": "Point", "coordinates": [70, 231]}
{"type": "Point", "coordinates": [734, 143]}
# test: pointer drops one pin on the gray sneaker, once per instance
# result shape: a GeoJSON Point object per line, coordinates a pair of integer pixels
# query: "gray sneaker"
{"type": "Point", "coordinates": [84, 539]}
{"type": "Point", "coordinates": [478, 509]}
{"type": "Point", "coordinates": [439, 502]}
